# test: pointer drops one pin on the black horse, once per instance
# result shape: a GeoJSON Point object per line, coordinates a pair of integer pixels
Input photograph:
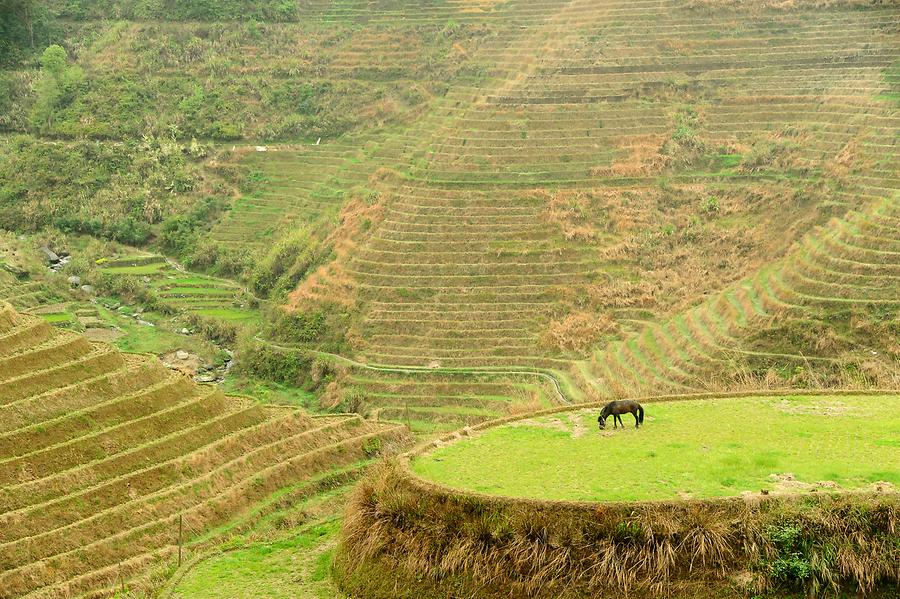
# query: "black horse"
{"type": "Point", "coordinates": [615, 408]}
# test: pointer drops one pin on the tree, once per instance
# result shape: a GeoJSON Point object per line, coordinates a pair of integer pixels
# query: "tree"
{"type": "Point", "coordinates": [21, 21]}
{"type": "Point", "coordinates": [53, 61]}
{"type": "Point", "coordinates": [56, 87]}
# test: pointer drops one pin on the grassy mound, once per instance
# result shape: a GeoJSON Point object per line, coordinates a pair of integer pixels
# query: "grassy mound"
{"type": "Point", "coordinates": [696, 448]}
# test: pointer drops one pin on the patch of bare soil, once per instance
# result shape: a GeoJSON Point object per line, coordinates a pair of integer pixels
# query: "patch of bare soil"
{"type": "Point", "coordinates": [182, 361]}
{"type": "Point", "coordinates": [821, 407]}
{"type": "Point", "coordinates": [103, 335]}
{"type": "Point", "coordinates": [572, 423]}
{"type": "Point", "coordinates": [788, 483]}
{"type": "Point", "coordinates": [577, 423]}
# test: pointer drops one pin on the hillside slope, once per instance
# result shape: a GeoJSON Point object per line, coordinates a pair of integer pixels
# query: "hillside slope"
{"type": "Point", "coordinates": [102, 453]}
{"type": "Point", "coordinates": [623, 164]}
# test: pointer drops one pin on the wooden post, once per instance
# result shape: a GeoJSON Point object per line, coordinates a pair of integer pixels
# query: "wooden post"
{"type": "Point", "coordinates": [180, 533]}
{"type": "Point", "coordinates": [406, 403]}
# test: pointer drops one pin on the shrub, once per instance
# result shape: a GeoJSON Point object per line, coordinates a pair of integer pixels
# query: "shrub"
{"type": "Point", "coordinates": [262, 361]}
{"type": "Point", "coordinates": [56, 88]}
{"type": "Point", "coordinates": [179, 233]}
{"type": "Point", "coordinates": [711, 205]}
{"type": "Point", "coordinates": [298, 327]}
{"type": "Point", "coordinates": [111, 191]}
{"type": "Point", "coordinates": [790, 565]}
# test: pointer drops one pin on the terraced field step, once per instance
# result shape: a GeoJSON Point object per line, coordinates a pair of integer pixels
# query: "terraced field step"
{"type": "Point", "coordinates": [193, 293]}
{"type": "Point", "coordinates": [97, 467]}
{"type": "Point", "coordinates": [820, 271]}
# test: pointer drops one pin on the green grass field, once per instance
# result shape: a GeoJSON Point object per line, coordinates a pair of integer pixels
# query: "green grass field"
{"type": "Point", "coordinates": [698, 448]}
{"type": "Point", "coordinates": [294, 566]}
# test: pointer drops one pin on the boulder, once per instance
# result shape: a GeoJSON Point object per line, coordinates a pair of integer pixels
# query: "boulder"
{"type": "Point", "coordinates": [87, 289]}
{"type": "Point", "coordinates": [14, 270]}
{"type": "Point", "coordinates": [182, 355]}
{"type": "Point", "coordinates": [50, 255]}
{"type": "Point", "coordinates": [74, 281]}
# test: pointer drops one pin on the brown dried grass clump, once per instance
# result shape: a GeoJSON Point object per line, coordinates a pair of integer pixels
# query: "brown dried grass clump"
{"type": "Point", "coordinates": [330, 282]}
{"type": "Point", "coordinates": [525, 405]}
{"type": "Point", "coordinates": [577, 332]}
{"type": "Point", "coordinates": [573, 213]}
{"type": "Point", "coordinates": [431, 541]}
{"type": "Point", "coordinates": [642, 156]}
{"type": "Point", "coordinates": [623, 294]}
{"type": "Point", "coordinates": [851, 158]}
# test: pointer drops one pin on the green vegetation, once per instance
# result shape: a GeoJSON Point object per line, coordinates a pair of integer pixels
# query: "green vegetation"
{"type": "Point", "coordinates": [158, 339]}
{"type": "Point", "coordinates": [180, 10]}
{"type": "Point", "coordinates": [24, 25]}
{"type": "Point", "coordinates": [217, 307]}
{"type": "Point", "coordinates": [56, 87]}
{"type": "Point", "coordinates": [696, 448]}
{"type": "Point", "coordinates": [271, 393]}
{"type": "Point", "coordinates": [111, 191]}
{"type": "Point", "coordinates": [278, 569]}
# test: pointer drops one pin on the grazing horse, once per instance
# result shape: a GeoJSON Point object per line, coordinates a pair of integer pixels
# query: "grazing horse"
{"type": "Point", "coordinates": [615, 408]}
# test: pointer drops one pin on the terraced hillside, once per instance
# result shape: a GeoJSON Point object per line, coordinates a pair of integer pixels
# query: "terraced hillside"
{"type": "Point", "coordinates": [624, 165]}
{"type": "Point", "coordinates": [17, 287]}
{"type": "Point", "coordinates": [193, 293]}
{"type": "Point", "coordinates": [844, 271]}
{"type": "Point", "coordinates": [498, 206]}
{"type": "Point", "coordinates": [431, 401]}
{"type": "Point", "coordinates": [101, 453]}
{"type": "Point", "coordinates": [24, 294]}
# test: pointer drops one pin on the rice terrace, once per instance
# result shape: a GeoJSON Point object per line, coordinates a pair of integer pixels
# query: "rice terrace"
{"type": "Point", "coordinates": [440, 299]}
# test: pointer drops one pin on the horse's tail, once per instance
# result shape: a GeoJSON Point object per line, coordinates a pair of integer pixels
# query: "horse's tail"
{"type": "Point", "coordinates": [640, 414]}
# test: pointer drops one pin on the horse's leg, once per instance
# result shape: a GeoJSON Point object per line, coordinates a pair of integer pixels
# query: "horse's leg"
{"type": "Point", "coordinates": [636, 423]}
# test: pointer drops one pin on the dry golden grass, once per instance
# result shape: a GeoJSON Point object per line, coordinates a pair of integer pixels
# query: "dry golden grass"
{"type": "Point", "coordinates": [571, 212]}
{"type": "Point", "coordinates": [525, 405]}
{"type": "Point", "coordinates": [540, 549]}
{"type": "Point", "coordinates": [577, 331]}
{"type": "Point", "coordinates": [330, 280]}
{"type": "Point", "coordinates": [642, 157]}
